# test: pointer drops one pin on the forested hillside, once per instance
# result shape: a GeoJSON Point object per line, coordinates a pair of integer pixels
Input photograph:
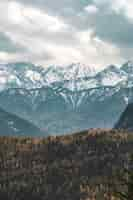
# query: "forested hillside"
{"type": "Point", "coordinates": [80, 166]}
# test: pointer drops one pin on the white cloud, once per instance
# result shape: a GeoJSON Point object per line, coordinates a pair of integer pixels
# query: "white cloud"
{"type": "Point", "coordinates": [8, 57]}
{"type": "Point", "coordinates": [91, 9]}
{"type": "Point", "coordinates": [28, 17]}
{"type": "Point", "coordinates": [15, 12]}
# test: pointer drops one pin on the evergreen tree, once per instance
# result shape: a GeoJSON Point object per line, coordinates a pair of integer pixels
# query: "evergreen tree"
{"type": "Point", "coordinates": [126, 183]}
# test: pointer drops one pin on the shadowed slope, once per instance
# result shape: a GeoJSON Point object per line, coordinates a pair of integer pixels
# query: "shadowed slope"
{"type": "Point", "coordinates": [126, 119]}
{"type": "Point", "coordinates": [11, 124]}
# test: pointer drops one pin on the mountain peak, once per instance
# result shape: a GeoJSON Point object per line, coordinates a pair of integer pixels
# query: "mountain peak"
{"type": "Point", "coordinates": [110, 76]}
{"type": "Point", "coordinates": [29, 76]}
{"type": "Point", "coordinates": [128, 67]}
{"type": "Point", "coordinates": [111, 68]}
{"type": "Point", "coordinates": [82, 70]}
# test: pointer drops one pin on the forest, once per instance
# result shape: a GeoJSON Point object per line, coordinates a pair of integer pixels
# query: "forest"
{"type": "Point", "coordinates": [78, 166]}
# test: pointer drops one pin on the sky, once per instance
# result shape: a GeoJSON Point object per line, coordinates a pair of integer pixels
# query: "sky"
{"type": "Point", "coordinates": [93, 32]}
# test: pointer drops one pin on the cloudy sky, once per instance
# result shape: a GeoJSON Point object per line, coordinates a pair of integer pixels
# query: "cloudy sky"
{"type": "Point", "coordinates": [94, 32]}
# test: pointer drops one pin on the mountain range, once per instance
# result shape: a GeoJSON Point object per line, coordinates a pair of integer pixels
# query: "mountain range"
{"type": "Point", "coordinates": [63, 99]}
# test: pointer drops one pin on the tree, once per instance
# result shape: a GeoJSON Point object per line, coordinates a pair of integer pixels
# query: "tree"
{"type": "Point", "coordinates": [126, 182]}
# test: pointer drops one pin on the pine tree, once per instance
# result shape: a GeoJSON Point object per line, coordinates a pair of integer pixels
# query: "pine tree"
{"type": "Point", "coordinates": [126, 183]}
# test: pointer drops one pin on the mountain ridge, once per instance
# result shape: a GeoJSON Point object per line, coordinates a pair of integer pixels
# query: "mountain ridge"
{"type": "Point", "coordinates": [28, 75]}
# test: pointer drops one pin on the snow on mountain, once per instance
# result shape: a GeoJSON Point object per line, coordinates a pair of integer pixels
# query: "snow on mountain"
{"type": "Point", "coordinates": [75, 71]}
{"type": "Point", "coordinates": [23, 75]}
{"type": "Point", "coordinates": [111, 76]}
{"type": "Point", "coordinates": [27, 75]}
{"type": "Point", "coordinates": [70, 72]}
{"type": "Point", "coordinates": [74, 77]}
{"type": "Point", "coordinates": [79, 77]}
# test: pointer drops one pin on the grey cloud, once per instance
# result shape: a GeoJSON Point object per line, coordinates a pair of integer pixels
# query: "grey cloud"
{"type": "Point", "coordinates": [115, 29]}
{"type": "Point", "coordinates": [105, 25]}
{"type": "Point", "coordinates": [70, 10]}
{"type": "Point", "coordinates": [58, 5]}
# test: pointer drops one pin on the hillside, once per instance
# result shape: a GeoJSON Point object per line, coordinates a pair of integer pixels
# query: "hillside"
{"type": "Point", "coordinates": [79, 166]}
{"type": "Point", "coordinates": [11, 124]}
{"type": "Point", "coordinates": [126, 119]}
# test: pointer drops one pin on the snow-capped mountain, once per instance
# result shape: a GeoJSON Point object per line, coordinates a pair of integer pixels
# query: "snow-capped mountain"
{"type": "Point", "coordinates": [29, 76]}
{"type": "Point", "coordinates": [73, 77]}
{"type": "Point", "coordinates": [63, 99]}
{"type": "Point", "coordinates": [111, 76]}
